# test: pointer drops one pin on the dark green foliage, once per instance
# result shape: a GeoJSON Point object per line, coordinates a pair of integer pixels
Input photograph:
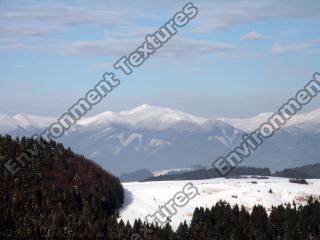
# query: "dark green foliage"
{"type": "Point", "coordinates": [57, 194]}
{"type": "Point", "coordinates": [211, 173]}
{"type": "Point", "coordinates": [308, 171]}
{"type": "Point", "coordinates": [298, 181]}
{"type": "Point", "coordinates": [223, 222]}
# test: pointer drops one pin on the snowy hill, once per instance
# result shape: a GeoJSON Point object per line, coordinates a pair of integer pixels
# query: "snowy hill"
{"type": "Point", "coordinates": [145, 198]}
{"type": "Point", "coordinates": [23, 121]}
{"type": "Point", "coordinates": [149, 117]}
{"type": "Point", "coordinates": [159, 138]}
{"type": "Point", "coordinates": [306, 120]}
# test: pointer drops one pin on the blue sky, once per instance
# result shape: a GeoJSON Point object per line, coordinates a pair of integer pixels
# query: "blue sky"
{"type": "Point", "coordinates": [235, 59]}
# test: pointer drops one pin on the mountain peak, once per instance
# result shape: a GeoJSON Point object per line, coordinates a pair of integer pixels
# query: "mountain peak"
{"type": "Point", "coordinates": [143, 107]}
{"type": "Point", "coordinates": [149, 117]}
{"type": "Point", "coordinates": [154, 117]}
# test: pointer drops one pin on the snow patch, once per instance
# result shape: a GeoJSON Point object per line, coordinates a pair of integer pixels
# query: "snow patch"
{"type": "Point", "coordinates": [146, 197]}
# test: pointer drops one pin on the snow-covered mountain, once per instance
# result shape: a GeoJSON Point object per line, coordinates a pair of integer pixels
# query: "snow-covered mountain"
{"type": "Point", "coordinates": [159, 138]}
{"type": "Point", "coordinates": [308, 121]}
{"type": "Point", "coordinates": [153, 118]}
{"type": "Point", "coordinates": [150, 137]}
{"type": "Point", "coordinates": [23, 124]}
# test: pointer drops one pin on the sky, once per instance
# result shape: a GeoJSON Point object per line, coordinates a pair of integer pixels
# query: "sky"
{"type": "Point", "coordinates": [235, 59]}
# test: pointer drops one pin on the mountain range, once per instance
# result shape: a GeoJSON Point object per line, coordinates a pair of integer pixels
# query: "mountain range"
{"type": "Point", "coordinates": [158, 138]}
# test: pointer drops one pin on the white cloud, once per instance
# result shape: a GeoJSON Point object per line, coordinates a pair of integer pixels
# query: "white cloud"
{"type": "Point", "coordinates": [123, 43]}
{"type": "Point", "coordinates": [278, 48]}
{"type": "Point", "coordinates": [177, 47]}
{"type": "Point", "coordinates": [180, 47]}
{"type": "Point", "coordinates": [36, 18]}
{"type": "Point", "coordinates": [30, 26]}
{"type": "Point", "coordinates": [41, 18]}
{"type": "Point", "coordinates": [226, 14]}
{"type": "Point", "coordinates": [254, 36]}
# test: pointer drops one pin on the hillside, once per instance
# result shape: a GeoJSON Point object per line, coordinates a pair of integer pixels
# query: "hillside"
{"type": "Point", "coordinates": [146, 197]}
{"type": "Point", "coordinates": [57, 194]}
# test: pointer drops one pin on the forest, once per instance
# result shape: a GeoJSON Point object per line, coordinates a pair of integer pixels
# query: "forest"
{"type": "Point", "coordinates": [57, 194]}
{"type": "Point", "coordinates": [62, 195]}
{"type": "Point", "coordinates": [223, 222]}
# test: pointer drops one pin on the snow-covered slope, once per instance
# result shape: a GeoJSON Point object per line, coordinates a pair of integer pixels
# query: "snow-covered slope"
{"type": "Point", "coordinates": [247, 124]}
{"type": "Point", "coordinates": [25, 120]}
{"type": "Point", "coordinates": [305, 120]}
{"type": "Point", "coordinates": [9, 124]}
{"type": "Point", "coordinates": [145, 198]}
{"type": "Point", "coordinates": [149, 117]}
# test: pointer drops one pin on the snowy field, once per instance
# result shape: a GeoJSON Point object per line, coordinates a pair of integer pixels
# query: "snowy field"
{"type": "Point", "coordinates": [146, 198]}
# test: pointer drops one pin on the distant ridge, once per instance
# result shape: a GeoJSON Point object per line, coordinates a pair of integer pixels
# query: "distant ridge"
{"type": "Point", "coordinates": [157, 138]}
{"type": "Point", "coordinates": [156, 118]}
{"type": "Point", "coordinates": [308, 172]}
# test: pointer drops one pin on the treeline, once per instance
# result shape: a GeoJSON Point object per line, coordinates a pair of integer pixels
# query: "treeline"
{"type": "Point", "coordinates": [308, 171]}
{"type": "Point", "coordinates": [56, 195]}
{"type": "Point", "coordinates": [211, 173]}
{"type": "Point", "coordinates": [304, 172]}
{"type": "Point", "coordinates": [223, 222]}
